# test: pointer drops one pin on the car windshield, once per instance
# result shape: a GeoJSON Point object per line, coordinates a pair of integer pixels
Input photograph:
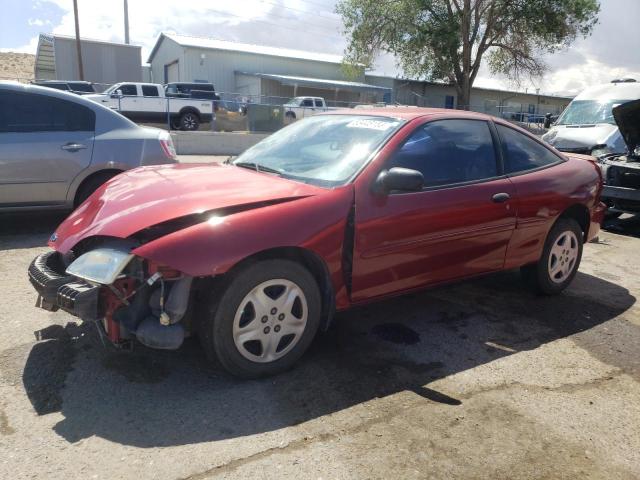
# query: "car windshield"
{"type": "Point", "coordinates": [324, 150]}
{"type": "Point", "coordinates": [589, 112]}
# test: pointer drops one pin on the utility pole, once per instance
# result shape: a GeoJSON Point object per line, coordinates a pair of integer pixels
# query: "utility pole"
{"type": "Point", "coordinates": [78, 46]}
{"type": "Point", "coordinates": [126, 22]}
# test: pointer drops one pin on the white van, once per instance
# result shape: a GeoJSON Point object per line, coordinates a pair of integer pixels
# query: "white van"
{"type": "Point", "coordinates": [587, 125]}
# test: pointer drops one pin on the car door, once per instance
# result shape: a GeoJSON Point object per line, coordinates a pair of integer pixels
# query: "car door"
{"type": "Point", "coordinates": [541, 195]}
{"type": "Point", "coordinates": [44, 143]}
{"type": "Point", "coordinates": [128, 103]}
{"type": "Point", "coordinates": [152, 107]}
{"type": "Point", "coordinates": [457, 226]}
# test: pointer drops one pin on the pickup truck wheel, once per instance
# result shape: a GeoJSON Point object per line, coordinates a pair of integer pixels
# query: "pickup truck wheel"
{"type": "Point", "coordinates": [264, 320]}
{"type": "Point", "coordinates": [560, 259]}
{"type": "Point", "coordinates": [189, 121]}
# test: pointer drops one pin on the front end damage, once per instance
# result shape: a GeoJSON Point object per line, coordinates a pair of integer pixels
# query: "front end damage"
{"type": "Point", "coordinates": [126, 296]}
{"type": "Point", "coordinates": [621, 173]}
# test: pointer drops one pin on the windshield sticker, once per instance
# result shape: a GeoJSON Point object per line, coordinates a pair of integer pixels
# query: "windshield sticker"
{"type": "Point", "coordinates": [371, 124]}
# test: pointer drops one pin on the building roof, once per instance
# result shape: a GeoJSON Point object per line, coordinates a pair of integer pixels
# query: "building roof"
{"type": "Point", "coordinates": [89, 40]}
{"type": "Point", "coordinates": [319, 82]}
{"type": "Point", "coordinates": [486, 89]}
{"type": "Point", "coordinates": [215, 44]}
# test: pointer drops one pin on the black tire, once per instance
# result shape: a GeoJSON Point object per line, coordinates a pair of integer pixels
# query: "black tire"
{"type": "Point", "coordinates": [189, 122]}
{"type": "Point", "coordinates": [90, 185]}
{"type": "Point", "coordinates": [216, 328]}
{"type": "Point", "coordinates": [290, 116]}
{"type": "Point", "coordinates": [538, 275]}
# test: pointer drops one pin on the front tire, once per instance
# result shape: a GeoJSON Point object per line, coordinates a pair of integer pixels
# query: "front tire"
{"type": "Point", "coordinates": [264, 320]}
{"type": "Point", "coordinates": [560, 259]}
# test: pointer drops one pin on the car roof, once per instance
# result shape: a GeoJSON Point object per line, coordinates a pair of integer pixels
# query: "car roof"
{"type": "Point", "coordinates": [409, 113]}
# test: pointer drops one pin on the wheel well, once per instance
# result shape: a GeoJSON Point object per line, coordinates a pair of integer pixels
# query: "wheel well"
{"type": "Point", "coordinates": [107, 173]}
{"type": "Point", "coordinates": [580, 214]}
{"type": "Point", "coordinates": [312, 262]}
{"type": "Point", "coordinates": [189, 110]}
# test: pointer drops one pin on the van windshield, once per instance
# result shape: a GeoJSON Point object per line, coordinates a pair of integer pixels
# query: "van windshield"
{"type": "Point", "coordinates": [589, 112]}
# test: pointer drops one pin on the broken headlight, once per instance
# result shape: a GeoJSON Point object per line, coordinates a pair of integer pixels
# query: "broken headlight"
{"type": "Point", "coordinates": [101, 265]}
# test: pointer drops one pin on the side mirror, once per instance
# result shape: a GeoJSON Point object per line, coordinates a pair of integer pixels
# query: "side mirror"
{"type": "Point", "coordinates": [400, 179]}
{"type": "Point", "coordinates": [547, 120]}
{"type": "Point", "coordinates": [116, 94]}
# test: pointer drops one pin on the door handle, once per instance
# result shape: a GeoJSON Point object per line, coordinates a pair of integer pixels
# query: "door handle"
{"type": "Point", "coordinates": [500, 197]}
{"type": "Point", "coordinates": [73, 147]}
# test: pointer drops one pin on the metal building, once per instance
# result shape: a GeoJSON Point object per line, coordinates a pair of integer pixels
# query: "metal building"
{"type": "Point", "coordinates": [104, 63]}
{"type": "Point", "coordinates": [257, 71]}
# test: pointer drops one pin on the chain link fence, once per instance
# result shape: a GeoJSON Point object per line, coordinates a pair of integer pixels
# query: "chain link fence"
{"type": "Point", "coordinates": [234, 111]}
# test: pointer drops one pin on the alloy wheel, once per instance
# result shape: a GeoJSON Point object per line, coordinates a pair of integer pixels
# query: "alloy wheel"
{"type": "Point", "coordinates": [563, 256]}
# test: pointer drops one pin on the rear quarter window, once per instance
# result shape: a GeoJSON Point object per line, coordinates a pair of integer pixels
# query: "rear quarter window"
{"type": "Point", "coordinates": [522, 153]}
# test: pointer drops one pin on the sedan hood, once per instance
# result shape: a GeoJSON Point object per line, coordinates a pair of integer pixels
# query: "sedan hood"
{"type": "Point", "coordinates": [627, 117]}
{"type": "Point", "coordinates": [584, 137]}
{"type": "Point", "coordinates": [178, 195]}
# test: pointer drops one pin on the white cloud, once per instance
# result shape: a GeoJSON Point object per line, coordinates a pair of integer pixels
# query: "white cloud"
{"type": "Point", "coordinates": [313, 25]}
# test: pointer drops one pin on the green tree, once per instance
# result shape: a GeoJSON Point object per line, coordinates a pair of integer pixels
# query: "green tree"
{"type": "Point", "coordinates": [448, 39]}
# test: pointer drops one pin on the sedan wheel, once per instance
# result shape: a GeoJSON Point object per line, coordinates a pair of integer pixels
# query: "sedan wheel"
{"type": "Point", "coordinates": [563, 256]}
{"type": "Point", "coordinates": [270, 320]}
{"type": "Point", "coordinates": [560, 258]}
{"type": "Point", "coordinates": [263, 319]}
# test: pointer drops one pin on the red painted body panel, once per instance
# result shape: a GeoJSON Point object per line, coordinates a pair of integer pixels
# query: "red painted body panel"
{"type": "Point", "coordinates": [401, 242]}
{"type": "Point", "coordinates": [147, 196]}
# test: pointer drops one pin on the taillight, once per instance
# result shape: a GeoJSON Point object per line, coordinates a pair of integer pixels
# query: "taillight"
{"type": "Point", "coordinates": [167, 147]}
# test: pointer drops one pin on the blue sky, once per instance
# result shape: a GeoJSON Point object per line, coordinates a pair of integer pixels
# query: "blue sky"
{"type": "Point", "coordinates": [612, 50]}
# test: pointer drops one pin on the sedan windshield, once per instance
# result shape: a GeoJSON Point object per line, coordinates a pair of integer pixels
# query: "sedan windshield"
{"type": "Point", "coordinates": [325, 150]}
{"type": "Point", "coordinates": [589, 112]}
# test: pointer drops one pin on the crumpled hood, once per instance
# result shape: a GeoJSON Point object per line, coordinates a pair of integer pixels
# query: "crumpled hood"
{"type": "Point", "coordinates": [148, 196]}
{"type": "Point", "coordinates": [627, 117]}
{"type": "Point", "coordinates": [569, 137]}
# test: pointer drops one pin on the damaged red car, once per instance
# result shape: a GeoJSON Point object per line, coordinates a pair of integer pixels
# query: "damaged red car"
{"type": "Point", "coordinates": [256, 255]}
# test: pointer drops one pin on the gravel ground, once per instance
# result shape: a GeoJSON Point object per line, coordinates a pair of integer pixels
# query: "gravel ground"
{"type": "Point", "coordinates": [479, 380]}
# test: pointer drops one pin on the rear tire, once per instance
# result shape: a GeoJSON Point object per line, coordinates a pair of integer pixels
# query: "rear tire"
{"type": "Point", "coordinates": [90, 185]}
{"type": "Point", "coordinates": [189, 122]}
{"type": "Point", "coordinates": [560, 259]}
{"type": "Point", "coordinates": [264, 320]}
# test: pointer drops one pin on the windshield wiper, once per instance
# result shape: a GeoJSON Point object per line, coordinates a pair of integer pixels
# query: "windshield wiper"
{"type": "Point", "coordinates": [257, 167]}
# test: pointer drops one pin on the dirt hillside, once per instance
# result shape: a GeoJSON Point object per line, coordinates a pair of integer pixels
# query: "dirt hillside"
{"type": "Point", "coordinates": [17, 66]}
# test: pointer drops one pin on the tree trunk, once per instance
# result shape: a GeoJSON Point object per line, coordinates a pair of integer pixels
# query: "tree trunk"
{"type": "Point", "coordinates": [463, 95]}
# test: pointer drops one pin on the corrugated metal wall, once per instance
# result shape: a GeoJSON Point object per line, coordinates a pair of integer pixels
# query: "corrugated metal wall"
{"type": "Point", "coordinates": [102, 62]}
{"type": "Point", "coordinates": [168, 53]}
{"type": "Point", "coordinates": [219, 67]}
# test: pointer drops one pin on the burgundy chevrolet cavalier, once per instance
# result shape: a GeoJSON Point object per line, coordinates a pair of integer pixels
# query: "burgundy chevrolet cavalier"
{"type": "Point", "coordinates": [255, 255]}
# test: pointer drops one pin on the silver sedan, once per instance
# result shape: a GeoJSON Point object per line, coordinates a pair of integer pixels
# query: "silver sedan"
{"type": "Point", "coordinates": [56, 148]}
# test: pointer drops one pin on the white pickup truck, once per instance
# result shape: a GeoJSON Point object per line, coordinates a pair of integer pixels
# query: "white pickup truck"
{"type": "Point", "coordinates": [146, 102]}
{"type": "Point", "coordinates": [300, 107]}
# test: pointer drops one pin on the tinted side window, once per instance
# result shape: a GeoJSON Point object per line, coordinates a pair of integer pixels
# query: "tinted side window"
{"type": "Point", "coordinates": [449, 151]}
{"type": "Point", "coordinates": [307, 102]}
{"type": "Point", "coordinates": [128, 90]}
{"type": "Point", "coordinates": [523, 153]}
{"type": "Point", "coordinates": [150, 91]}
{"type": "Point", "coordinates": [318, 103]}
{"type": "Point", "coordinates": [27, 112]}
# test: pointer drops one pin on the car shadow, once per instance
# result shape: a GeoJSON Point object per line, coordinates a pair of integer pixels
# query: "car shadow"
{"type": "Point", "coordinates": [28, 230]}
{"type": "Point", "coordinates": [150, 398]}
